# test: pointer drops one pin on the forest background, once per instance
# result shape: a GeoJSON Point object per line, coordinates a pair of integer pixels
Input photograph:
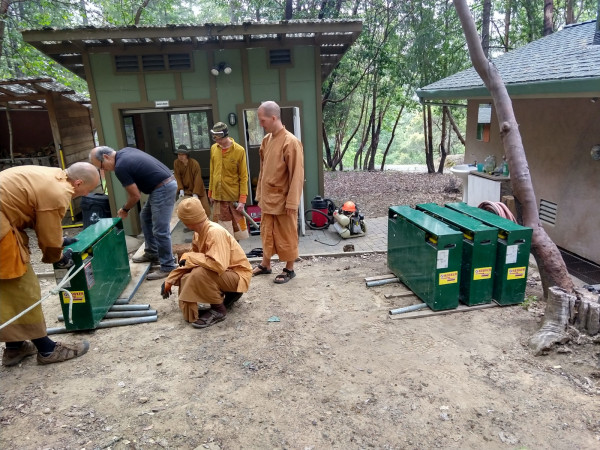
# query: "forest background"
{"type": "Point", "coordinates": [371, 114]}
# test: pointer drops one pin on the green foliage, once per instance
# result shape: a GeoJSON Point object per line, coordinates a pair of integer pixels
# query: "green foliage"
{"type": "Point", "coordinates": [529, 301]}
{"type": "Point", "coordinates": [404, 45]}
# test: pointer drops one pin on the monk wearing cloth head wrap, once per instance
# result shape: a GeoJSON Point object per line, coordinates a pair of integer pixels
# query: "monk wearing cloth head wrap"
{"type": "Point", "coordinates": [35, 197]}
{"type": "Point", "coordinates": [216, 271]}
{"type": "Point", "coordinates": [228, 182]}
{"type": "Point", "coordinates": [188, 174]}
{"type": "Point", "coordinates": [279, 189]}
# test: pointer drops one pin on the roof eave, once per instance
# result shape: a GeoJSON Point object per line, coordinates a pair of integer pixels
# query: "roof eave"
{"type": "Point", "coordinates": [574, 87]}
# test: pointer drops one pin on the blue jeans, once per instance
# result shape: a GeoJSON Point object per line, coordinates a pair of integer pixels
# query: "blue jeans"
{"type": "Point", "coordinates": [156, 220]}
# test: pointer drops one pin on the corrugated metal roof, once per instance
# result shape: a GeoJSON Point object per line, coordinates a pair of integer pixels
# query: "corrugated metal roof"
{"type": "Point", "coordinates": [66, 46]}
{"type": "Point", "coordinates": [30, 93]}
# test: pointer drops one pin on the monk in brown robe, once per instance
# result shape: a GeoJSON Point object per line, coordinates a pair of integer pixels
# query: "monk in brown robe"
{"type": "Point", "coordinates": [278, 192]}
{"type": "Point", "coordinates": [215, 272]}
{"type": "Point", "coordinates": [34, 197]}
{"type": "Point", "coordinates": [188, 174]}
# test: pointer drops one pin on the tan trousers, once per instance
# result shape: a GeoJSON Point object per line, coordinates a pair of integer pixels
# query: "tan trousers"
{"type": "Point", "coordinates": [279, 235]}
{"type": "Point", "coordinates": [204, 286]}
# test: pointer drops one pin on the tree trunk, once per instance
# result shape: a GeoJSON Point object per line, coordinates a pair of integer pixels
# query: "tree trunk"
{"type": "Point", "coordinates": [485, 27]}
{"type": "Point", "coordinates": [507, 26]}
{"type": "Point", "coordinates": [389, 145]}
{"type": "Point", "coordinates": [569, 15]}
{"type": "Point", "coordinates": [83, 12]}
{"type": "Point", "coordinates": [429, 145]}
{"type": "Point", "coordinates": [548, 14]}
{"type": "Point", "coordinates": [443, 151]}
{"type": "Point", "coordinates": [552, 268]}
{"type": "Point", "coordinates": [455, 127]}
{"type": "Point", "coordinates": [4, 4]}
{"type": "Point", "coordinates": [140, 10]}
{"type": "Point", "coordinates": [289, 9]}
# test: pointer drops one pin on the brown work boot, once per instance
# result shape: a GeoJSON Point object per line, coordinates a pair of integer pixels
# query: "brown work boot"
{"type": "Point", "coordinates": [63, 352]}
{"type": "Point", "coordinates": [13, 356]}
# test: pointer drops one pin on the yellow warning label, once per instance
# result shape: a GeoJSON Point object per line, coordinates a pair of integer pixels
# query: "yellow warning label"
{"type": "Point", "coordinates": [449, 277]}
{"type": "Point", "coordinates": [515, 273]}
{"type": "Point", "coordinates": [482, 273]}
{"type": "Point", "coordinates": [78, 297]}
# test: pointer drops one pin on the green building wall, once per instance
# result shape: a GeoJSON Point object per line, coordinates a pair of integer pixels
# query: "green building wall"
{"type": "Point", "coordinates": [225, 93]}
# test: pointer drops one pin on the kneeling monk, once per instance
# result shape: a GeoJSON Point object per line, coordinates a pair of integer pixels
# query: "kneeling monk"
{"type": "Point", "coordinates": [216, 271]}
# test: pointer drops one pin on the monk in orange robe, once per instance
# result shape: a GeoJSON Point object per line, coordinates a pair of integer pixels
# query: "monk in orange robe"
{"type": "Point", "coordinates": [35, 197]}
{"type": "Point", "coordinates": [215, 272]}
{"type": "Point", "coordinates": [279, 189]}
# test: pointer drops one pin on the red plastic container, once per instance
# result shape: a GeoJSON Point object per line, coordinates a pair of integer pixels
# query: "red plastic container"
{"type": "Point", "coordinates": [254, 212]}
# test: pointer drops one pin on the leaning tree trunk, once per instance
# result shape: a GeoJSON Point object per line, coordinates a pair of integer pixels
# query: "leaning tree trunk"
{"type": "Point", "coordinates": [553, 271]}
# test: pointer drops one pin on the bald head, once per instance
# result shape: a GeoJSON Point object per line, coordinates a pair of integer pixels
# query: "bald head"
{"type": "Point", "coordinates": [269, 117]}
{"type": "Point", "coordinates": [270, 108]}
{"type": "Point", "coordinates": [83, 177]}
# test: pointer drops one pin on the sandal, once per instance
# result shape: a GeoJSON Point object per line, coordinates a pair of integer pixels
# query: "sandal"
{"type": "Point", "coordinates": [207, 321]}
{"type": "Point", "coordinates": [284, 277]}
{"type": "Point", "coordinates": [262, 270]}
{"type": "Point", "coordinates": [255, 252]}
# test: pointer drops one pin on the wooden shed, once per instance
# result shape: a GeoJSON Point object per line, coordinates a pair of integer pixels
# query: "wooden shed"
{"type": "Point", "coordinates": [43, 122]}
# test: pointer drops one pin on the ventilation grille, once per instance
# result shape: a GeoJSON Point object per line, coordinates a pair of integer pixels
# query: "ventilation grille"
{"type": "Point", "coordinates": [179, 61]}
{"type": "Point", "coordinates": [280, 57]}
{"type": "Point", "coordinates": [127, 63]}
{"type": "Point", "coordinates": [153, 62]}
{"type": "Point", "coordinates": [548, 212]}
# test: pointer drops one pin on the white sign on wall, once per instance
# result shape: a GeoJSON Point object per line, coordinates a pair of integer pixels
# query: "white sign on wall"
{"type": "Point", "coordinates": [161, 104]}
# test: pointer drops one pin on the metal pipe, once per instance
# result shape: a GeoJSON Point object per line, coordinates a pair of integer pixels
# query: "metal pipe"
{"type": "Point", "coordinates": [382, 282]}
{"type": "Point", "coordinates": [121, 314]}
{"type": "Point", "coordinates": [110, 323]}
{"type": "Point", "coordinates": [247, 216]}
{"type": "Point", "coordinates": [129, 307]}
{"type": "Point", "coordinates": [122, 301]}
{"type": "Point", "coordinates": [408, 308]}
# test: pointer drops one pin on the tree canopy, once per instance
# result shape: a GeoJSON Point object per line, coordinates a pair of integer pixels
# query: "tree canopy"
{"type": "Point", "coordinates": [370, 112]}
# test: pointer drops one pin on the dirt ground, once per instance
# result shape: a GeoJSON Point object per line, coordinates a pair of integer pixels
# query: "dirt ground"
{"type": "Point", "coordinates": [333, 372]}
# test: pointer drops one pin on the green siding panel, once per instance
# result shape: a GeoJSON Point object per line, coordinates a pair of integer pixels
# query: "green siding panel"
{"type": "Point", "coordinates": [264, 82]}
{"type": "Point", "coordinates": [196, 85]}
{"type": "Point", "coordinates": [300, 87]}
{"type": "Point", "coordinates": [230, 88]}
{"type": "Point", "coordinates": [160, 86]}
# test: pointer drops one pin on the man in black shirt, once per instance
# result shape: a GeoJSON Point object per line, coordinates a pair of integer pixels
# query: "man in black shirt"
{"type": "Point", "coordinates": [139, 172]}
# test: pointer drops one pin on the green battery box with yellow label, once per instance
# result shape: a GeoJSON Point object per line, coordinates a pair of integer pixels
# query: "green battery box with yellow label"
{"type": "Point", "coordinates": [425, 254]}
{"type": "Point", "coordinates": [512, 256]}
{"type": "Point", "coordinates": [478, 256]}
{"type": "Point", "coordinates": [102, 252]}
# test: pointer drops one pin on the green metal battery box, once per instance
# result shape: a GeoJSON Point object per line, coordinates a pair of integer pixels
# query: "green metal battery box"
{"type": "Point", "coordinates": [425, 254]}
{"type": "Point", "coordinates": [102, 252]}
{"type": "Point", "coordinates": [512, 256]}
{"type": "Point", "coordinates": [478, 255]}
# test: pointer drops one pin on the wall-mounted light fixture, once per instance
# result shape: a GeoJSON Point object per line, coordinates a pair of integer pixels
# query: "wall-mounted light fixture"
{"type": "Point", "coordinates": [232, 119]}
{"type": "Point", "coordinates": [221, 67]}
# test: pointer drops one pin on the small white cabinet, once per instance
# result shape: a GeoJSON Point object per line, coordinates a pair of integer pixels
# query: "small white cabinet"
{"type": "Point", "coordinates": [483, 187]}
